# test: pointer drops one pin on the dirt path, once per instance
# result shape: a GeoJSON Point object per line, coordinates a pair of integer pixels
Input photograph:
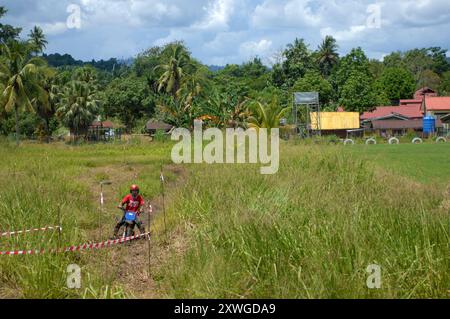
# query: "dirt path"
{"type": "Point", "coordinates": [128, 264]}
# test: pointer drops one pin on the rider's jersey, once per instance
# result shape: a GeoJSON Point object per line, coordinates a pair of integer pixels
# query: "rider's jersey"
{"type": "Point", "coordinates": [133, 204]}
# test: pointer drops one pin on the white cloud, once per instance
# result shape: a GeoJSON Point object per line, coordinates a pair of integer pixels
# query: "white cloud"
{"type": "Point", "coordinates": [255, 48]}
{"type": "Point", "coordinates": [292, 13]}
{"type": "Point", "coordinates": [217, 16]}
{"type": "Point", "coordinates": [354, 32]}
{"type": "Point", "coordinates": [232, 31]}
{"type": "Point", "coordinates": [53, 28]}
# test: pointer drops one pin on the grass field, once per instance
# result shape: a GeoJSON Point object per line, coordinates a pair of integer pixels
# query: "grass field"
{"type": "Point", "coordinates": [428, 163]}
{"type": "Point", "coordinates": [309, 231]}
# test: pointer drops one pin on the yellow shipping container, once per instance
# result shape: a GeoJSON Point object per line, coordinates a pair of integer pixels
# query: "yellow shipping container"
{"type": "Point", "coordinates": [335, 120]}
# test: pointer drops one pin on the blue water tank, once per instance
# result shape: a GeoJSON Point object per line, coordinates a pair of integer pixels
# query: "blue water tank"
{"type": "Point", "coordinates": [429, 124]}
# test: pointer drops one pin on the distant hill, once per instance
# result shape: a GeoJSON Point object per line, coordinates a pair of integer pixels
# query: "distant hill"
{"type": "Point", "coordinates": [127, 62]}
{"type": "Point", "coordinates": [59, 60]}
{"type": "Point", "coordinates": [215, 68]}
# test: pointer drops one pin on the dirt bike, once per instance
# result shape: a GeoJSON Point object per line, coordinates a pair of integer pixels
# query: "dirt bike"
{"type": "Point", "coordinates": [130, 223]}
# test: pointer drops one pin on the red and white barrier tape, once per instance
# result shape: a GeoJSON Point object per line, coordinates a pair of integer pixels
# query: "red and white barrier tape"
{"type": "Point", "coordinates": [107, 243]}
{"type": "Point", "coordinates": [30, 230]}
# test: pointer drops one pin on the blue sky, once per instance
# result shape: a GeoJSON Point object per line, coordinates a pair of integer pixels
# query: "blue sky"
{"type": "Point", "coordinates": [233, 31]}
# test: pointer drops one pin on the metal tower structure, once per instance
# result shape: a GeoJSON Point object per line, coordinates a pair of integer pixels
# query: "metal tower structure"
{"type": "Point", "coordinates": [309, 101]}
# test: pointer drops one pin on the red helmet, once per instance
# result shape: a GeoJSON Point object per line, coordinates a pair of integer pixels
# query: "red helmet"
{"type": "Point", "coordinates": [134, 188]}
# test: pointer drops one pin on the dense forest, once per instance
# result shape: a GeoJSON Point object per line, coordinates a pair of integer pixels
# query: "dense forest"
{"type": "Point", "coordinates": [44, 95]}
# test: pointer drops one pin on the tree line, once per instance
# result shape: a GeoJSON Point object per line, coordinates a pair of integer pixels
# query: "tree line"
{"type": "Point", "coordinates": [43, 94]}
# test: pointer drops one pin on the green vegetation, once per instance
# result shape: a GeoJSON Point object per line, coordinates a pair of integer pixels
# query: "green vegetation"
{"type": "Point", "coordinates": [308, 231]}
{"type": "Point", "coordinates": [427, 163]}
{"type": "Point", "coordinates": [166, 83]}
{"type": "Point", "coordinates": [41, 184]}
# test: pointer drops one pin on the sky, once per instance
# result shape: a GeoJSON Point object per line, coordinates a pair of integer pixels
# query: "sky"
{"type": "Point", "coordinates": [218, 32]}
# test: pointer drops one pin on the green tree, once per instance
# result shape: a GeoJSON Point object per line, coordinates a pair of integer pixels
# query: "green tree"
{"type": "Point", "coordinates": [355, 62]}
{"type": "Point", "coordinates": [376, 68]}
{"type": "Point", "coordinates": [37, 40]}
{"type": "Point", "coordinates": [19, 75]}
{"type": "Point", "coordinates": [129, 99]}
{"type": "Point", "coordinates": [7, 32]}
{"type": "Point", "coordinates": [174, 69]}
{"type": "Point", "coordinates": [314, 82]}
{"type": "Point", "coordinates": [77, 107]}
{"type": "Point", "coordinates": [86, 74]}
{"type": "Point", "coordinates": [266, 115]}
{"type": "Point", "coordinates": [327, 55]}
{"type": "Point", "coordinates": [394, 60]}
{"type": "Point", "coordinates": [440, 62]}
{"type": "Point", "coordinates": [430, 79]}
{"type": "Point", "coordinates": [357, 93]}
{"type": "Point", "coordinates": [397, 83]}
{"type": "Point", "coordinates": [417, 61]}
{"type": "Point", "coordinates": [46, 108]}
{"type": "Point", "coordinates": [297, 61]}
{"type": "Point", "coordinates": [254, 68]}
{"type": "Point", "coordinates": [444, 88]}
{"type": "Point", "coordinates": [179, 112]}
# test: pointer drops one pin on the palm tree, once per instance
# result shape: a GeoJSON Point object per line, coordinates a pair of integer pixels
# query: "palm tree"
{"type": "Point", "coordinates": [327, 55]}
{"type": "Point", "coordinates": [46, 108]}
{"type": "Point", "coordinates": [173, 71]}
{"type": "Point", "coordinates": [223, 113]}
{"type": "Point", "coordinates": [86, 74]}
{"type": "Point", "coordinates": [19, 75]}
{"type": "Point", "coordinates": [78, 107]}
{"type": "Point", "coordinates": [37, 39]}
{"type": "Point", "coordinates": [266, 115]}
{"type": "Point", "coordinates": [179, 112]}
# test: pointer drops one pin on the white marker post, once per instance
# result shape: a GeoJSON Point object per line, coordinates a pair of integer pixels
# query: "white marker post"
{"type": "Point", "coordinates": [102, 202]}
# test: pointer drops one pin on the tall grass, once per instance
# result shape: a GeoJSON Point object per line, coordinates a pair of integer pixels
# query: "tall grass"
{"type": "Point", "coordinates": [309, 231]}
{"type": "Point", "coordinates": [47, 185]}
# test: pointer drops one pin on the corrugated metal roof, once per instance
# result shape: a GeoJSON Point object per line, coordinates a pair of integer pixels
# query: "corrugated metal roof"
{"type": "Point", "coordinates": [409, 111]}
{"type": "Point", "coordinates": [437, 103]}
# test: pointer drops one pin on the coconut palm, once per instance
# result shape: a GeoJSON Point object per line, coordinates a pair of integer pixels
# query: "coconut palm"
{"type": "Point", "coordinates": [19, 75]}
{"type": "Point", "coordinates": [46, 108]}
{"type": "Point", "coordinates": [327, 55]}
{"type": "Point", "coordinates": [266, 115]}
{"type": "Point", "coordinates": [174, 70]}
{"type": "Point", "coordinates": [86, 74]}
{"type": "Point", "coordinates": [37, 39]}
{"type": "Point", "coordinates": [77, 107]}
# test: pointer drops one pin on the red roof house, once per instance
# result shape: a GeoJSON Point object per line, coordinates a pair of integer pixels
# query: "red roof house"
{"type": "Point", "coordinates": [411, 111]}
{"type": "Point", "coordinates": [436, 104]}
{"type": "Point", "coordinates": [104, 124]}
{"type": "Point", "coordinates": [410, 102]}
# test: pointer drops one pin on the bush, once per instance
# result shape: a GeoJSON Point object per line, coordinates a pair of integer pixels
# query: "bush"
{"type": "Point", "coordinates": [160, 136]}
